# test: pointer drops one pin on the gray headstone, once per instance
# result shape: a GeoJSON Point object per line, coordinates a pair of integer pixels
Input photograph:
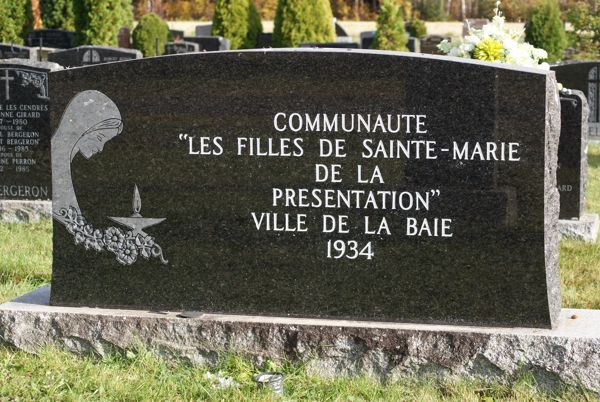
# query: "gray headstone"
{"type": "Point", "coordinates": [88, 55]}
{"type": "Point", "coordinates": [210, 43]}
{"type": "Point", "coordinates": [572, 154]}
{"type": "Point", "coordinates": [429, 43]}
{"type": "Point", "coordinates": [24, 130]}
{"type": "Point", "coordinates": [181, 47]}
{"type": "Point", "coordinates": [55, 38]}
{"type": "Point", "coordinates": [204, 30]}
{"type": "Point", "coordinates": [583, 76]}
{"type": "Point", "coordinates": [221, 204]}
{"type": "Point", "coordinates": [10, 51]}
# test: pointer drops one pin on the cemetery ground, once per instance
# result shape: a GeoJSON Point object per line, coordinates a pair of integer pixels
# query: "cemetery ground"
{"type": "Point", "coordinates": [25, 264]}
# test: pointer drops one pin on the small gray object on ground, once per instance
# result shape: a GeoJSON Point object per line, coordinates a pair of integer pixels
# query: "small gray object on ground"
{"type": "Point", "coordinates": [272, 380]}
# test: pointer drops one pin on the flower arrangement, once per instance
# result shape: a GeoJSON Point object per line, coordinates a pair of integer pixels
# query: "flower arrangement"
{"type": "Point", "coordinates": [497, 43]}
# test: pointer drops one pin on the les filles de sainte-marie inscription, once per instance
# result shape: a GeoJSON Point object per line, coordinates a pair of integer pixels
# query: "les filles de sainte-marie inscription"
{"type": "Point", "coordinates": [287, 183]}
{"type": "Point", "coordinates": [24, 131]}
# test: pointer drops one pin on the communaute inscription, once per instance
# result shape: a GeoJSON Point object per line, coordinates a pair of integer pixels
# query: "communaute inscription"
{"type": "Point", "coordinates": [336, 149]}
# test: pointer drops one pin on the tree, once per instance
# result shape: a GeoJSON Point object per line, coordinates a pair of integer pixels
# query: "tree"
{"type": "Point", "coordinates": [97, 22]}
{"type": "Point", "coordinates": [390, 33]}
{"type": "Point", "coordinates": [546, 30]}
{"type": "Point", "coordinates": [238, 21]}
{"type": "Point", "coordinates": [58, 14]}
{"type": "Point", "coordinates": [16, 20]}
{"type": "Point", "coordinates": [150, 30]}
{"type": "Point", "coordinates": [585, 37]}
{"type": "Point", "coordinates": [298, 21]}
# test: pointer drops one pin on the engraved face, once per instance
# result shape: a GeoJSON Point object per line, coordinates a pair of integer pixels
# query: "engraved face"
{"type": "Point", "coordinates": [93, 142]}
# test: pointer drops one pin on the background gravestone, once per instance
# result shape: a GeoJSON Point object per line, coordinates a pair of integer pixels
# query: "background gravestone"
{"type": "Point", "coordinates": [53, 38]}
{"type": "Point", "coordinates": [429, 43]}
{"type": "Point", "coordinates": [181, 47]}
{"type": "Point", "coordinates": [583, 76]}
{"type": "Point", "coordinates": [473, 23]}
{"type": "Point", "coordinates": [177, 35]}
{"type": "Point", "coordinates": [124, 38]}
{"type": "Point", "coordinates": [24, 139]}
{"type": "Point", "coordinates": [204, 30]}
{"type": "Point", "coordinates": [209, 43]}
{"type": "Point", "coordinates": [332, 45]}
{"type": "Point", "coordinates": [88, 55]}
{"type": "Point", "coordinates": [571, 175]}
{"type": "Point", "coordinates": [10, 51]}
{"type": "Point", "coordinates": [180, 197]}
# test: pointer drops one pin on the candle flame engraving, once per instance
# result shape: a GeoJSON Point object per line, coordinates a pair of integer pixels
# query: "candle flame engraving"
{"type": "Point", "coordinates": [137, 201]}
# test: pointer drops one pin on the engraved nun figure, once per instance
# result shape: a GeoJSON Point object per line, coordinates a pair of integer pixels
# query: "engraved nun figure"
{"type": "Point", "coordinates": [89, 121]}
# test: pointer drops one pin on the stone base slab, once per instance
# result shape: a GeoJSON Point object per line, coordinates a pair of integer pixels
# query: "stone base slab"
{"type": "Point", "coordinates": [586, 228]}
{"type": "Point", "coordinates": [17, 211]}
{"type": "Point", "coordinates": [569, 354]}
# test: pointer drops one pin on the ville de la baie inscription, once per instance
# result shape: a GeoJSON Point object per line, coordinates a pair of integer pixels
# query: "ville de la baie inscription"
{"type": "Point", "coordinates": [294, 128]}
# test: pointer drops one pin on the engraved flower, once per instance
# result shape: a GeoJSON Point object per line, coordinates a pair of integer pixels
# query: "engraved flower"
{"type": "Point", "coordinates": [145, 244]}
{"type": "Point", "coordinates": [79, 238]}
{"type": "Point", "coordinates": [114, 239]}
{"type": "Point", "coordinates": [128, 254]}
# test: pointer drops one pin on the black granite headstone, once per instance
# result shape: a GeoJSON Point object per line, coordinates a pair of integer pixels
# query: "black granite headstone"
{"type": "Point", "coordinates": [55, 38]}
{"type": "Point", "coordinates": [583, 76]}
{"type": "Point", "coordinates": [210, 43]}
{"type": "Point", "coordinates": [366, 39]}
{"type": "Point", "coordinates": [176, 35]}
{"type": "Point", "coordinates": [88, 55]}
{"type": "Point", "coordinates": [292, 183]}
{"type": "Point", "coordinates": [24, 130]}
{"type": "Point", "coordinates": [264, 40]}
{"type": "Point", "coordinates": [332, 45]}
{"type": "Point", "coordinates": [124, 38]}
{"type": "Point", "coordinates": [571, 176]}
{"type": "Point", "coordinates": [10, 51]}
{"type": "Point", "coordinates": [181, 47]}
{"type": "Point", "coordinates": [429, 43]}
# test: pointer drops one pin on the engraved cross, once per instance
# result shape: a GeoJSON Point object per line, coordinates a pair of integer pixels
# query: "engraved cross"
{"type": "Point", "coordinates": [7, 80]}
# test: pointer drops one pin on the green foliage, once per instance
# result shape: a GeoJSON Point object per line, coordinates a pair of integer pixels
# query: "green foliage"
{"type": "Point", "coordinates": [390, 33]}
{"type": "Point", "coordinates": [433, 10]}
{"type": "Point", "coordinates": [298, 21]}
{"type": "Point", "coordinates": [238, 21]}
{"type": "Point", "coordinates": [255, 27]}
{"type": "Point", "coordinates": [150, 28]}
{"type": "Point", "coordinates": [16, 20]}
{"type": "Point", "coordinates": [97, 22]}
{"type": "Point", "coordinates": [585, 37]}
{"type": "Point", "coordinates": [58, 14]}
{"type": "Point", "coordinates": [417, 28]}
{"type": "Point", "coordinates": [546, 30]}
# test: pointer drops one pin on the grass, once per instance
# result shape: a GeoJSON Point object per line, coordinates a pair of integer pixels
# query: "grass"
{"type": "Point", "coordinates": [140, 376]}
{"type": "Point", "coordinates": [25, 264]}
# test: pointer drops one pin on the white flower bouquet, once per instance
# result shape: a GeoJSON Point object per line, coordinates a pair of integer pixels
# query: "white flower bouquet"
{"type": "Point", "coordinates": [497, 43]}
